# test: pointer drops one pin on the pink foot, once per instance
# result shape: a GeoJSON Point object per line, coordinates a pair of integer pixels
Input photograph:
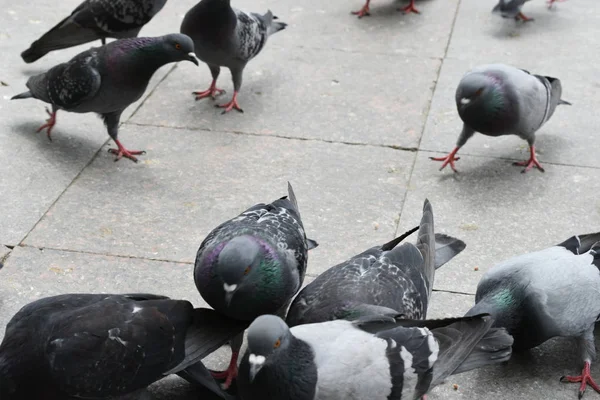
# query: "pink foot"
{"type": "Point", "coordinates": [231, 105]}
{"type": "Point", "coordinates": [523, 17]}
{"type": "Point", "coordinates": [410, 8]}
{"type": "Point", "coordinates": [363, 11]}
{"type": "Point", "coordinates": [449, 159]}
{"type": "Point", "coordinates": [532, 162]}
{"type": "Point", "coordinates": [50, 122]}
{"type": "Point", "coordinates": [121, 152]}
{"type": "Point", "coordinates": [551, 2]}
{"type": "Point", "coordinates": [585, 379]}
{"type": "Point", "coordinates": [230, 373]}
{"type": "Point", "coordinates": [212, 92]}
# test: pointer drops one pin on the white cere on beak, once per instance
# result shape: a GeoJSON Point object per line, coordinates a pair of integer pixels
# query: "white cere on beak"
{"type": "Point", "coordinates": [193, 55]}
{"type": "Point", "coordinates": [465, 101]}
{"type": "Point", "coordinates": [256, 360]}
{"type": "Point", "coordinates": [229, 288]}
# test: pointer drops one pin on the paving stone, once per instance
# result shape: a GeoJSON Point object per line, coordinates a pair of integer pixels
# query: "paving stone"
{"type": "Point", "coordinates": [499, 212]}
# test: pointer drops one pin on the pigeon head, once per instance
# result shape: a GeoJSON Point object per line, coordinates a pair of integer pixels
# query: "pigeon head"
{"type": "Point", "coordinates": [268, 336]}
{"type": "Point", "coordinates": [475, 89]}
{"type": "Point", "coordinates": [179, 47]}
{"type": "Point", "coordinates": [239, 264]}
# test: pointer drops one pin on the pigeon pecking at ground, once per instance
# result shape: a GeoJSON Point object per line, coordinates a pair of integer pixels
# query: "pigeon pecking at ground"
{"type": "Point", "coordinates": [374, 357]}
{"type": "Point", "coordinates": [548, 293]}
{"type": "Point", "coordinates": [389, 279]}
{"type": "Point", "coordinates": [226, 37]}
{"type": "Point", "coordinates": [365, 9]}
{"type": "Point", "coordinates": [253, 264]}
{"type": "Point", "coordinates": [93, 20]}
{"type": "Point", "coordinates": [105, 346]}
{"type": "Point", "coordinates": [499, 99]}
{"type": "Point", "coordinates": [107, 79]}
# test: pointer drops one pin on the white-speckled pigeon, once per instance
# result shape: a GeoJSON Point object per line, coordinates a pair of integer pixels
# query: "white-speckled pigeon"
{"type": "Point", "coordinates": [497, 100]}
{"type": "Point", "coordinates": [552, 292]}
{"type": "Point", "coordinates": [93, 20]}
{"type": "Point", "coordinates": [376, 357]}
{"type": "Point", "coordinates": [390, 279]}
{"type": "Point", "coordinates": [107, 79]}
{"type": "Point", "coordinates": [103, 346]}
{"type": "Point", "coordinates": [227, 37]}
{"type": "Point", "coordinates": [366, 11]}
{"type": "Point", "coordinates": [253, 264]}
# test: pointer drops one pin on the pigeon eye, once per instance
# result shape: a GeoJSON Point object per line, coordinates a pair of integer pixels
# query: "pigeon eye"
{"type": "Point", "coordinates": [247, 270]}
{"type": "Point", "coordinates": [177, 46]}
{"type": "Point", "coordinates": [479, 91]}
{"type": "Point", "coordinates": [277, 343]}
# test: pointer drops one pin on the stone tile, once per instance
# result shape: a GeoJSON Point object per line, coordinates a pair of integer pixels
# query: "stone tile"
{"type": "Point", "coordinates": [307, 93]}
{"type": "Point", "coordinates": [163, 207]}
{"type": "Point", "coordinates": [39, 170]}
{"type": "Point", "coordinates": [499, 212]}
{"type": "Point", "coordinates": [564, 139]}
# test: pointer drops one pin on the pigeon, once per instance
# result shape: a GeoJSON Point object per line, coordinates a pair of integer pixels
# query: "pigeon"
{"type": "Point", "coordinates": [499, 99]}
{"type": "Point", "coordinates": [511, 9]}
{"type": "Point", "coordinates": [253, 264]}
{"type": "Point", "coordinates": [548, 293]}
{"type": "Point", "coordinates": [374, 357]}
{"type": "Point", "coordinates": [95, 19]}
{"type": "Point", "coordinates": [365, 9]}
{"type": "Point", "coordinates": [387, 280]}
{"type": "Point", "coordinates": [226, 37]}
{"type": "Point", "coordinates": [107, 79]}
{"type": "Point", "coordinates": [105, 346]}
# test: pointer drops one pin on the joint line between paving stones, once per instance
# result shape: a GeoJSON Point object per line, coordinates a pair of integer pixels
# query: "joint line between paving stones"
{"type": "Point", "coordinates": [21, 243]}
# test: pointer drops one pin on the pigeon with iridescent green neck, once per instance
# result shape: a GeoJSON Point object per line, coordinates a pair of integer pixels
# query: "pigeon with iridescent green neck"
{"type": "Point", "coordinates": [254, 264]}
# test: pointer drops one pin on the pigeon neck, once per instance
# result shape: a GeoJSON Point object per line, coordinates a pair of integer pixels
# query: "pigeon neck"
{"type": "Point", "coordinates": [493, 113]}
{"type": "Point", "coordinates": [215, 20]}
{"type": "Point", "coordinates": [143, 56]}
{"type": "Point", "coordinates": [504, 307]}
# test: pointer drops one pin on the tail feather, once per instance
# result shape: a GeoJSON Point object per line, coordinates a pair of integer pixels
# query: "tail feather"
{"type": "Point", "coordinates": [581, 244]}
{"type": "Point", "coordinates": [197, 374]}
{"type": "Point", "coordinates": [446, 248]}
{"type": "Point", "coordinates": [426, 243]}
{"type": "Point", "coordinates": [494, 347]}
{"type": "Point", "coordinates": [24, 95]}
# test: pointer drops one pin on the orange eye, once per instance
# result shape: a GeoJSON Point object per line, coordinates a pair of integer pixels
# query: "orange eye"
{"type": "Point", "coordinates": [247, 270]}
{"type": "Point", "coordinates": [478, 92]}
{"type": "Point", "coordinates": [177, 46]}
{"type": "Point", "coordinates": [277, 343]}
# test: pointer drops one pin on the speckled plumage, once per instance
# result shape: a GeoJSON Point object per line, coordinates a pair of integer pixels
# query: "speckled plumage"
{"type": "Point", "coordinates": [386, 279]}
{"type": "Point", "coordinates": [101, 345]}
{"type": "Point", "coordinates": [377, 357]}
{"type": "Point", "coordinates": [95, 19]}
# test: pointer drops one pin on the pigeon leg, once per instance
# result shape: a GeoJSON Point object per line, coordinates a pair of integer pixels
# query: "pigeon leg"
{"type": "Point", "coordinates": [410, 8]}
{"type": "Point", "coordinates": [363, 11]}
{"type": "Point", "coordinates": [551, 3]}
{"type": "Point", "coordinates": [522, 17]}
{"type": "Point", "coordinates": [121, 152]}
{"type": "Point", "coordinates": [213, 90]}
{"type": "Point", "coordinates": [532, 162]}
{"type": "Point", "coordinates": [231, 105]}
{"type": "Point", "coordinates": [50, 122]}
{"type": "Point", "coordinates": [232, 371]}
{"type": "Point", "coordinates": [449, 159]}
{"type": "Point", "coordinates": [585, 379]}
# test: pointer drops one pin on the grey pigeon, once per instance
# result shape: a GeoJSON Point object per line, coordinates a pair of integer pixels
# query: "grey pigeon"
{"type": "Point", "coordinates": [376, 357]}
{"type": "Point", "coordinates": [105, 346]}
{"type": "Point", "coordinates": [388, 279]}
{"type": "Point", "coordinates": [511, 9]}
{"type": "Point", "coordinates": [227, 37]}
{"type": "Point", "coordinates": [497, 100]}
{"type": "Point", "coordinates": [253, 264]}
{"type": "Point", "coordinates": [548, 293]}
{"type": "Point", "coordinates": [366, 11]}
{"type": "Point", "coordinates": [107, 79]}
{"type": "Point", "coordinates": [93, 20]}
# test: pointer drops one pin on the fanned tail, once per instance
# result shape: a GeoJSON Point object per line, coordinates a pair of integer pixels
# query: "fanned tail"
{"type": "Point", "coordinates": [24, 95]}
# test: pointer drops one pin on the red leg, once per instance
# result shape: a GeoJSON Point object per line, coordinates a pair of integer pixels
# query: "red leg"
{"type": "Point", "coordinates": [121, 151]}
{"type": "Point", "coordinates": [410, 8]}
{"type": "Point", "coordinates": [363, 11]}
{"type": "Point", "coordinates": [230, 373]}
{"type": "Point", "coordinates": [231, 105]}
{"type": "Point", "coordinates": [532, 162]}
{"type": "Point", "coordinates": [449, 159]}
{"type": "Point", "coordinates": [551, 2]}
{"type": "Point", "coordinates": [585, 379]}
{"type": "Point", "coordinates": [521, 16]}
{"type": "Point", "coordinates": [212, 91]}
{"type": "Point", "coordinates": [50, 122]}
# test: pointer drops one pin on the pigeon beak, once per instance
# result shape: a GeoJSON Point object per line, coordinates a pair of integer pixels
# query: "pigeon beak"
{"type": "Point", "coordinates": [256, 364]}
{"type": "Point", "coordinates": [193, 58]}
{"type": "Point", "coordinates": [229, 292]}
{"type": "Point", "coordinates": [464, 101]}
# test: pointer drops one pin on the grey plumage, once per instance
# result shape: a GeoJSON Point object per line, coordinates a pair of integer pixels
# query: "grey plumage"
{"type": "Point", "coordinates": [390, 279]}
{"type": "Point", "coordinates": [107, 79]}
{"type": "Point", "coordinates": [376, 357]}
{"type": "Point", "coordinates": [93, 20]}
{"type": "Point", "coordinates": [499, 99]}
{"type": "Point", "coordinates": [227, 37]}
{"type": "Point", "coordinates": [548, 293]}
{"type": "Point", "coordinates": [509, 8]}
